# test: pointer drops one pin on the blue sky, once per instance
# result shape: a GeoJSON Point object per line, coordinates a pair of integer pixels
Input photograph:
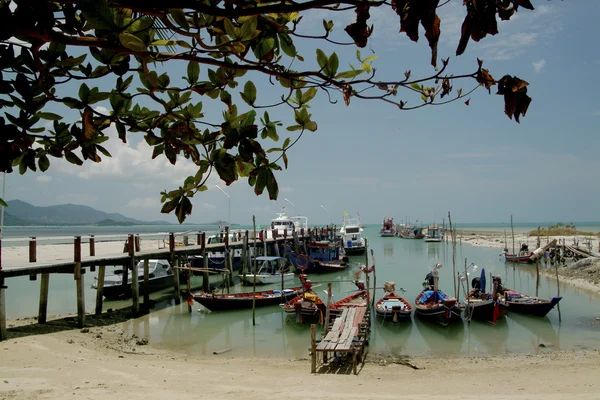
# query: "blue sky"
{"type": "Point", "coordinates": [374, 159]}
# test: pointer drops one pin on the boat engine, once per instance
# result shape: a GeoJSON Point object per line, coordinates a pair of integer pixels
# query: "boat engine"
{"type": "Point", "coordinates": [475, 284]}
{"type": "Point", "coordinates": [428, 280]}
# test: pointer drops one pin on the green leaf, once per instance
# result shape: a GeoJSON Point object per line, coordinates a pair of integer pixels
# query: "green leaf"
{"type": "Point", "coordinates": [179, 16]}
{"type": "Point", "coordinates": [100, 16]}
{"type": "Point", "coordinates": [272, 185]}
{"type": "Point", "coordinates": [84, 93]}
{"type": "Point", "coordinates": [332, 65]}
{"type": "Point", "coordinates": [3, 203]}
{"type": "Point", "coordinates": [309, 94]}
{"type": "Point", "coordinates": [43, 163]}
{"type": "Point", "coordinates": [264, 47]}
{"type": "Point", "coordinates": [193, 72]}
{"type": "Point", "coordinates": [49, 116]}
{"type": "Point", "coordinates": [132, 42]}
{"type": "Point", "coordinates": [250, 93]}
{"type": "Point", "coordinates": [183, 209]}
{"type": "Point", "coordinates": [321, 59]}
{"type": "Point", "coordinates": [248, 28]}
{"type": "Point", "coordinates": [261, 180]}
{"type": "Point", "coordinates": [230, 29]}
{"type": "Point", "coordinates": [72, 158]}
{"type": "Point", "coordinates": [287, 44]}
{"type": "Point", "coordinates": [416, 86]}
{"type": "Point", "coordinates": [286, 143]}
{"type": "Point", "coordinates": [293, 128]}
{"type": "Point", "coordinates": [72, 61]}
{"type": "Point", "coordinates": [349, 74]}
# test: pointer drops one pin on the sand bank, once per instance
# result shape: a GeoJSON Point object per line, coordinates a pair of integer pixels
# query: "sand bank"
{"type": "Point", "coordinates": [103, 362]}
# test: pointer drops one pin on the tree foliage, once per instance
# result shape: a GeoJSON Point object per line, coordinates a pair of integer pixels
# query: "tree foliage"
{"type": "Point", "coordinates": [57, 56]}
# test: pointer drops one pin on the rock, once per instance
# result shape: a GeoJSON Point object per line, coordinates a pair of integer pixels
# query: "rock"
{"type": "Point", "coordinates": [142, 342]}
{"type": "Point", "coordinates": [541, 345]}
{"type": "Point", "coordinates": [85, 330]}
{"type": "Point", "coordinates": [70, 341]}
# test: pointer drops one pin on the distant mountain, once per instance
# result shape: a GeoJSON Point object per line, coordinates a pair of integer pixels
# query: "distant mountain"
{"type": "Point", "coordinates": [22, 213]}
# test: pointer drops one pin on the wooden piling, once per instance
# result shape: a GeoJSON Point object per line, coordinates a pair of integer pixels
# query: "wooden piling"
{"type": "Point", "coordinates": [100, 289]}
{"type": "Point", "coordinates": [227, 253]}
{"type": "Point", "coordinates": [135, 294]}
{"type": "Point", "coordinates": [328, 309]}
{"type": "Point", "coordinates": [43, 309]}
{"type": "Point", "coordinates": [313, 348]}
{"type": "Point", "coordinates": [32, 249]}
{"type": "Point", "coordinates": [2, 311]}
{"type": "Point", "coordinates": [245, 255]}
{"type": "Point", "coordinates": [205, 275]}
{"type": "Point", "coordinates": [92, 246]}
{"type": "Point", "coordinates": [254, 289]}
{"type": "Point", "coordinates": [138, 243]}
{"type": "Point", "coordinates": [296, 242]}
{"type": "Point", "coordinates": [147, 284]}
{"type": "Point", "coordinates": [80, 283]}
{"type": "Point", "coordinates": [175, 270]}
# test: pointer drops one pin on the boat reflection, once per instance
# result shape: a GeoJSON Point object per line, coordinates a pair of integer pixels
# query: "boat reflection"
{"type": "Point", "coordinates": [388, 250]}
{"type": "Point", "coordinates": [393, 337]}
{"type": "Point", "coordinates": [541, 330]}
{"type": "Point", "coordinates": [485, 338]}
{"type": "Point", "coordinates": [441, 340]}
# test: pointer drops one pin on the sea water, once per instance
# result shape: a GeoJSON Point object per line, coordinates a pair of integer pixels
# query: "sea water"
{"type": "Point", "coordinates": [403, 261]}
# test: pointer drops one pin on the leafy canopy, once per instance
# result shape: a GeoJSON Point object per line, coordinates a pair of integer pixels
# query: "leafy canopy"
{"type": "Point", "coordinates": [54, 55]}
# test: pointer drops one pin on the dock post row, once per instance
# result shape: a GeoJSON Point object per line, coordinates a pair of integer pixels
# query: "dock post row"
{"type": "Point", "coordinates": [129, 258]}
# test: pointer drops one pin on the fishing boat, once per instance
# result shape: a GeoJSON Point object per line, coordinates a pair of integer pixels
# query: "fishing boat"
{"type": "Point", "coordinates": [269, 270]}
{"type": "Point", "coordinates": [388, 229]}
{"type": "Point", "coordinates": [306, 306]}
{"type": "Point", "coordinates": [238, 301]}
{"type": "Point", "coordinates": [484, 306]}
{"type": "Point", "coordinates": [434, 234]}
{"type": "Point", "coordinates": [531, 305]}
{"type": "Point", "coordinates": [392, 307]}
{"type": "Point", "coordinates": [524, 257]}
{"type": "Point", "coordinates": [411, 232]}
{"type": "Point", "coordinates": [160, 273]}
{"type": "Point", "coordinates": [358, 299]}
{"type": "Point", "coordinates": [323, 256]}
{"type": "Point", "coordinates": [285, 226]}
{"type": "Point", "coordinates": [350, 235]}
{"type": "Point", "coordinates": [434, 305]}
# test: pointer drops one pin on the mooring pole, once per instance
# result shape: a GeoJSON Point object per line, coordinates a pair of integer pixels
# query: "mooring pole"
{"type": "Point", "coordinates": [135, 294]}
{"type": "Point", "coordinates": [175, 271]}
{"type": "Point", "coordinates": [79, 281]}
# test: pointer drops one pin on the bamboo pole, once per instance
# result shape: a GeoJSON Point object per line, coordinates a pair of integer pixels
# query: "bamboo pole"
{"type": "Point", "coordinates": [135, 294]}
{"type": "Point", "coordinates": [537, 267]}
{"type": "Point", "coordinates": [468, 318]}
{"type": "Point", "coordinates": [254, 283]}
{"type": "Point", "coordinates": [558, 292]}
{"type": "Point", "coordinates": [100, 289]}
{"type": "Point", "coordinates": [79, 281]}
{"type": "Point", "coordinates": [513, 233]}
{"type": "Point", "coordinates": [174, 262]}
{"type": "Point", "coordinates": [453, 253]}
{"type": "Point", "coordinates": [43, 310]}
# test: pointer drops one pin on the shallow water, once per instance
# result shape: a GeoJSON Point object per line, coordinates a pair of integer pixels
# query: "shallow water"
{"type": "Point", "coordinates": [406, 262]}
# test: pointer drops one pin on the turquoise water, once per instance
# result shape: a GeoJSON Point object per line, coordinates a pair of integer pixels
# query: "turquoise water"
{"type": "Point", "coordinates": [406, 262]}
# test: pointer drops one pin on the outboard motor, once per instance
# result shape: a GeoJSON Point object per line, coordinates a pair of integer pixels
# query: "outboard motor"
{"type": "Point", "coordinates": [429, 279]}
{"type": "Point", "coordinates": [475, 283]}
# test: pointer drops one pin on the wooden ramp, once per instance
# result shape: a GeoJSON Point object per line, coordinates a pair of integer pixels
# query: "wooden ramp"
{"type": "Point", "coordinates": [348, 335]}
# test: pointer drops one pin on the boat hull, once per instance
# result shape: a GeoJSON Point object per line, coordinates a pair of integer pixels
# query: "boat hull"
{"type": "Point", "coordinates": [236, 302]}
{"type": "Point", "coordinates": [440, 314]}
{"type": "Point", "coordinates": [393, 308]}
{"type": "Point", "coordinates": [355, 250]}
{"type": "Point", "coordinates": [538, 309]}
{"type": "Point", "coordinates": [484, 310]}
{"type": "Point", "coordinates": [526, 259]}
{"type": "Point", "coordinates": [116, 292]}
{"type": "Point", "coordinates": [267, 279]}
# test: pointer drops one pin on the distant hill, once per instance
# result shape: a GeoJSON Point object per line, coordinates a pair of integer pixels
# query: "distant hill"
{"type": "Point", "coordinates": [21, 213]}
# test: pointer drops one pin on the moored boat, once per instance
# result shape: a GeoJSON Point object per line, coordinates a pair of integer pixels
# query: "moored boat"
{"type": "Point", "coordinates": [388, 229]}
{"type": "Point", "coordinates": [238, 301]}
{"type": "Point", "coordinates": [434, 234]}
{"type": "Point", "coordinates": [285, 226]}
{"type": "Point", "coordinates": [482, 305]}
{"type": "Point", "coordinates": [269, 270]}
{"type": "Point", "coordinates": [358, 299]}
{"type": "Point", "coordinates": [531, 305]}
{"type": "Point", "coordinates": [411, 232]}
{"type": "Point", "coordinates": [306, 306]}
{"type": "Point", "coordinates": [434, 305]}
{"type": "Point", "coordinates": [392, 307]}
{"type": "Point", "coordinates": [160, 274]}
{"type": "Point", "coordinates": [323, 256]}
{"type": "Point", "coordinates": [350, 234]}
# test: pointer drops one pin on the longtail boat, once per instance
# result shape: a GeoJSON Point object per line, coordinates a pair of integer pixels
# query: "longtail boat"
{"type": "Point", "coordinates": [434, 305]}
{"type": "Point", "coordinates": [306, 305]}
{"type": "Point", "coordinates": [531, 305]}
{"type": "Point", "coordinates": [323, 256]}
{"type": "Point", "coordinates": [393, 308]}
{"type": "Point", "coordinates": [358, 299]}
{"type": "Point", "coordinates": [484, 306]}
{"type": "Point", "coordinates": [238, 301]}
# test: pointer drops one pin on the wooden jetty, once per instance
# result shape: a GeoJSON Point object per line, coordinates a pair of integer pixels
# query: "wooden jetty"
{"type": "Point", "coordinates": [177, 254]}
{"type": "Point", "coordinates": [348, 335]}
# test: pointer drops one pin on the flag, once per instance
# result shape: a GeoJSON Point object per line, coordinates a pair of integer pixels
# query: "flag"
{"type": "Point", "coordinates": [345, 213]}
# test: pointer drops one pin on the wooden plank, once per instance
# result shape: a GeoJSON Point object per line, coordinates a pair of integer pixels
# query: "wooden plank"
{"type": "Point", "coordinates": [43, 310]}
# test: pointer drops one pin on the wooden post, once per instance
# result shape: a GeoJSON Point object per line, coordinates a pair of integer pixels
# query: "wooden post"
{"type": "Point", "coordinates": [2, 310]}
{"type": "Point", "coordinates": [467, 316]}
{"type": "Point", "coordinates": [175, 270]}
{"type": "Point", "coordinates": [328, 309]}
{"type": "Point", "coordinates": [92, 246]}
{"type": "Point", "coordinates": [558, 291]}
{"type": "Point", "coordinates": [147, 284]}
{"type": "Point", "coordinates": [228, 253]}
{"type": "Point", "coordinates": [138, 243]}
{"type": "Point", "coordinates": [296, 242]}
{"type": "Point", "coordinates": [276, 244]}
{"type": "Point", "coordinates": [537, 267]}
{"type": "Point", "coordinates": [254, 288]}
{"type": "Point", "coordinates": [198, 238]}
{"type": "Point", "coordinates": [513, 234]}
{"type": "Point", "coordinates": [453, 254]}
{"type": "Point", "coordinates": [135, 294]}
{"type": "Point", "coordinates": [32, 249]}
{"type": "Point", "coordinates": [313, 348]}
{"type": "Point", "coordinates": [100, 289]}
{"type": "Point", "coordinates": [205, 275]}
{"type": "Point", "coordinates": [264, 243]}
{"type": "Point", "coordinates": [189, 284]}
{"type": "Point", "coordinates": [245, 256]}
{"type": "Point", "coordinates": [79, 281]}
{"type": "Point", "coordinates": [43, 310]}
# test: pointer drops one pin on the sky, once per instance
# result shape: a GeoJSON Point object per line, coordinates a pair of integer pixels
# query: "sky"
{"type": "Point", "coordinates": [374, 159]}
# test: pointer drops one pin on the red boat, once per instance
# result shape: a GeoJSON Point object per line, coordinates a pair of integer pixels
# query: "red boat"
{"type": "Point", "coordinates": [358, 299]}
{"type": "Point", "coordinates": [238, 301]}
{"type": "Point", "coordinates": [306, 305]}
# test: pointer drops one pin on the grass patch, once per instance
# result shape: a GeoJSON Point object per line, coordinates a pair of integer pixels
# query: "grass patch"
{"type": "Point", "coordinates": [561, 229]}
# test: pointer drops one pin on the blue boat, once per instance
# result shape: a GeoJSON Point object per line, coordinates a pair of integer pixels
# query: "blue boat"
{"type": "Point", "coordinates": [323, 256]}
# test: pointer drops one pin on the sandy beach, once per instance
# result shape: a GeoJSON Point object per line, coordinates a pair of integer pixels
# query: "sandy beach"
{"type": "Point", "coordinates": [57, 361]}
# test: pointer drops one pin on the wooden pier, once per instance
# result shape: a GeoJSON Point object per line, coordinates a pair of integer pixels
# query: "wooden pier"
{"type": "Point", "coordinates": [176, 254]}
{"type": "Point", "coordinates": [348, 335]}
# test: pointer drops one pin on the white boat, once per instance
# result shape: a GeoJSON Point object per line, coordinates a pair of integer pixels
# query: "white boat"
{"type": "Point", "coordinates": [434, 234]}
{"type": "Point", "coordinates": [270, 270]}
{"type": "Point", "coordinates": [285, 225]}
{"type": "Point", "coordinates": [352, 240]}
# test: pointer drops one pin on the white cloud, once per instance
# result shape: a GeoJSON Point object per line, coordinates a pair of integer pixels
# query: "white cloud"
{"type": "Point", "coordinates": [539, 65]}
{"type": "Point", "coordinates": [43, 178]}
{"type": "Point", "coordinates": [145, 202]}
